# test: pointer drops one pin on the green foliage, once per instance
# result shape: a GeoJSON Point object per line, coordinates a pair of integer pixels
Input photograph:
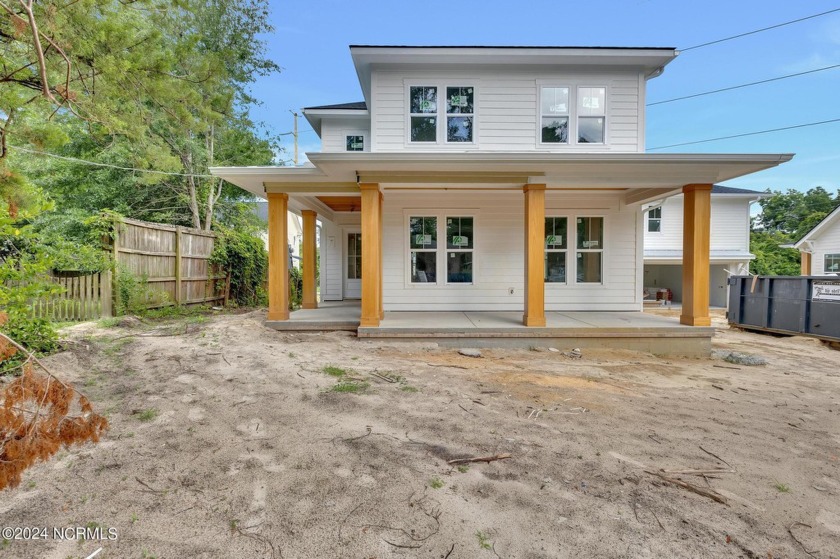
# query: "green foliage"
{"type": "Point", "coordinates": [244, 256]}
{"type": "Point", "coordinates": [295, 288]}
{"type": "Point", "coordinates": [770, 258]}
{"type": "Point", "coordinates": [794, 212]}
{"type": "Point", "coordinates": [334, 371]}
{"type": "Point", "coordinates": [134, 295]}
{"type": "Point", "coordinates": [72, 240]}
{"type": "Point", "coordinates": [24, 278]}
{"type": "Point", "coordinates": [350, 387]}
{"type": "Point", "coordinates": [436, 482]}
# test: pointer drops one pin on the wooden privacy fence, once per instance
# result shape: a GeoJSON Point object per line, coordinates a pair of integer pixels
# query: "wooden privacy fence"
{"type": "Point", "coordinates": [174, 261]}
{"type": "Point", "coordinates": [84, 297]}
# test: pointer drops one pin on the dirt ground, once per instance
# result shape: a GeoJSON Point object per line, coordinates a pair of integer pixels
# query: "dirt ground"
{"type": "Point", "coordinates": [229, 440]}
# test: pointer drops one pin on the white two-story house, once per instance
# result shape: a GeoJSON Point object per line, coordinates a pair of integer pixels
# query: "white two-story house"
{"type": "Point", "coordinates": [491, 179]}
{"type": "Point", "coordinates": [729, 247]}
{"type": "Point", "coordinates": [819, 248]}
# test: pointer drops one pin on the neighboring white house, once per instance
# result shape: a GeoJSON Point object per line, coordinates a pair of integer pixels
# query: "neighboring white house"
{"type": "Point", "coordinates": [491, 179]}
{"type": "Point", "coordinates": [820, 247]}
{"type": "Point", "coordinates": [729, 250]}
{"type": "Point", "coordinates": [294, 229]}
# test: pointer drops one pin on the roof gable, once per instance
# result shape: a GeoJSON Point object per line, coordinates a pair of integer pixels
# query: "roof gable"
{"type": "Point", "coordinates": [820, 227]}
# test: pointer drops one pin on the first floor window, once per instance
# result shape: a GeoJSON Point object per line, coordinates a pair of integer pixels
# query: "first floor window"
{"type": "Point", "coordinates": [555, 249]}
{"type": "Point", "coordinates": [832, 264]}
{"type": "Point", "coordinates": [459, 249]}
{"type": "Point", "coordinates": [423, 245]}
{"type": "Point", "coordinates": [355, 142]}
{"type": "Point", "coordinates": [591, 114]}
{"type": "Point", "coordinates": [654, 224]}
{"type": "Point", "coordinates": [424, 108]}
{"type": "Point", "coordinates": [590, 249]}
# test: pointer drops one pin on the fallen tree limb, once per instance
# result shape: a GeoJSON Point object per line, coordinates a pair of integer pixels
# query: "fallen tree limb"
{"type": "Point", "coordinates": [797, 540]}
{"type": "Point", "coordinates": [486, 459]}
{"type": "Point", "coordinates": [701, 472]}
{"type": "Point", "coordinates": [710, 493]}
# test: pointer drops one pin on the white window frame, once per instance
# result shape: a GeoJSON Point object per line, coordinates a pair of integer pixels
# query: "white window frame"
{"type": "Point", "coordinates": [649, 218]}
{"type": "Point", "coordinates": [602, 250]}
{"type": "Point", "coordinates": [578, 116]}
{"type": "Point", "coordinates": [407, 228]}
{"type": "Point", "coordinates": [540, 115]}
{"type": "Point", "coordinates": [441, 115]}
{"type": "Point", "coordinates": [441, 281]}
{"type": "Point", "coordinates": [826, 256]}
{"type": "Point", "coordinates": [547, 250]}
{"type": "Point", "coordinates": [346, 133]}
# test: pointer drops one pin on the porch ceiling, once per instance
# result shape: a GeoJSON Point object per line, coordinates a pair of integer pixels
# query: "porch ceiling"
{"type": "Point", "coordinates": [342, 203]}
{"type": "Point", "coordinates": [336, 174]}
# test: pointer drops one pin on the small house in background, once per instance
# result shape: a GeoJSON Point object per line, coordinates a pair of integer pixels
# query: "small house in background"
{"type": "Point", "coordinates": [729, 250]}
{"type": "Point", "coordinates": [294, 231]}
{"type": "Point", "coordinates": [819, 249]}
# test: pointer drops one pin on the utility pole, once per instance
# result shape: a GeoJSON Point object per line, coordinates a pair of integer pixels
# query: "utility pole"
{"type": "Point", "coordinates": [295, 136]}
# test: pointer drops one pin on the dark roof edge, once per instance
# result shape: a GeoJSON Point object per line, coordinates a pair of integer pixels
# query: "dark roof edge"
{"type": "Point", "coordinates": [355, 106]}
{"type": "Point", "coordinates": [720, 189]}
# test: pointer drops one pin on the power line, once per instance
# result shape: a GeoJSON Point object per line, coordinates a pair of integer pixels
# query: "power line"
{"type": "Point", "coordinates": [759, 30]}
{"type": "Point", "coordinates": [747, 134]}
{"type": "Point", "coordinates": [108, 165]}
{"type": "Point", "coordinates": [119, 167]}
{"type": "Point", "coordinates": [742, 85]}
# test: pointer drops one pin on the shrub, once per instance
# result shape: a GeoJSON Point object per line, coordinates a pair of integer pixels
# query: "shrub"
{"type": "Point", "coordinates": [243, 256]}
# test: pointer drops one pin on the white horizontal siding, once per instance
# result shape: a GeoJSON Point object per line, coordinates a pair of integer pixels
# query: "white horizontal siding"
{"type": "Point", "coordinates": [498, 255]}
{"type": "Point", "coordinates": [332, 259]}
{"type": "Point", "coordinates": [507, 108]}
{"type": "Point", "coordinates": [334, 132]}
{"type": "Point", "coordinates": [729, 226]}
{"type": "Point", "coordinates": [827, 243]}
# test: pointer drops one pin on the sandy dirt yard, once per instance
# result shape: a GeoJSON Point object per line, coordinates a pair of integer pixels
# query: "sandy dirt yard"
{"type": "Point", "coordinates": [232, 440]}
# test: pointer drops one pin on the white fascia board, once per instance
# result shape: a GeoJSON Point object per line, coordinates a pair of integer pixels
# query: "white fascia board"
{"type": "Point", "coordinates": [314, 117]}
{"type": "Point", "coordinates": [815, 232]}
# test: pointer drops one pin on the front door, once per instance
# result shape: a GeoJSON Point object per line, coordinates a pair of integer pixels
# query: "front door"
{"type": "Point", "coordinates": [353, 266]}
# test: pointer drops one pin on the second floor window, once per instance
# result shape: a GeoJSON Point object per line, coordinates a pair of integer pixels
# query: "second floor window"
{"type": "Point", "coordinates": [456, 111]}
{"type": "Point", "coordinates": [654, 224]}
{"type": "Point", "coordinates": [832, 264]}
{"type": "Point", "coordinates": [355, 142]}
{"type": "Point", "coordinates": [554, 115]}
{"type": "Point", "coordinates": [424, 108]}
{"type": "Point", "coordinates": [592, 118]}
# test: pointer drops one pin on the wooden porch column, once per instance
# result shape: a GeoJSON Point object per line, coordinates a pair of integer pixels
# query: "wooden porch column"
{"type": "Point", "coordinates": [381, 259]}
{"type": "Point", "coordinates": [278, 257]}
{"type": "Point", "coordinates": [371, 255]}
{"type": "Point", "coordinates": [696, 233]}
{"type": "Point", "coordinates": [309, 300]}
{"type": "Point", "coordinates": [534, 255]}
{"type": "Point", "coordinates": [805, 263]}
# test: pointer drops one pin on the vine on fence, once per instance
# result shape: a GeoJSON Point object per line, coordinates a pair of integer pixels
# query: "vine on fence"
{"type": "Point", "coordinates": [38, 414]}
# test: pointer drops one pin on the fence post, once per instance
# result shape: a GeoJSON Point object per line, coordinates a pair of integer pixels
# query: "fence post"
{"type": "Point", "coordinates": [178, 270]}
{"type": "Point", "coordinates": [115, 246]}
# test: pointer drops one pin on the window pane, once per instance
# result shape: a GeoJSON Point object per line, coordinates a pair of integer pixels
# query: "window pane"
{"type": "Point", "coordinates": [423, 99]}
{"type": "Point", "coordinates": [555, 129]}
{"type": "Point", "coordinates": [555, 232]}
{"type": "Point", "coordinates": [459, 232]}
{"type": "Point", "coordinates": [459, 129]}
{"type": "Point", "coordinates": [423, 231]}
{"type": "Point", "coordinates": [591, 101]}
{"type": "Point", "coordinates": [654, 225]}
{"type": "Point", "coordinates": [423, 267]}
{"type": "Point", "coordinates": [423, 129]}
{"type": "Point", "coordinates": [459, 267]}
{"type": "Point", "coordinates": [555, 100]}
{"type": "Point", "coordinates": [555, 267]}
{"type": "Point", "coordinates": [589, 267]}
{"type": "Point", "coordinates": [590, 233]}
{"type": "Point", "coordinates": [832, 264]}
{"type": "Point", "coordinates": [459, 100]}
{"type": "Point", "coordinates": [355, 143]}
{"type": "Point", "coordinates": [591, 130]}
{"type": "Point", "coordinates": [354, 267]}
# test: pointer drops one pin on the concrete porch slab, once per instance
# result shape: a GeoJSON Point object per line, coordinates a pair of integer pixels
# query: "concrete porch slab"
{"type": "Point", "coordinates": [660, 335]}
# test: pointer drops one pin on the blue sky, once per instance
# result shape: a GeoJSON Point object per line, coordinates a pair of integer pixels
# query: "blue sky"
{"type": "Point", "coordinates": [311, 45]}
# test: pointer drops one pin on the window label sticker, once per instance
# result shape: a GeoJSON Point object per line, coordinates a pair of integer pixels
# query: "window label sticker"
{"type": "Point", "coordinates": [422, 239]}
{"type": "Point", "coordinates": [460, 241]}
{"type": "Point", "coordinates": [590, 244]}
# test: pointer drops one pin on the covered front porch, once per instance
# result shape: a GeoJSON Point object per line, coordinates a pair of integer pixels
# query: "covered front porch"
{"type": "Point", "coordinates": [504, 291]}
